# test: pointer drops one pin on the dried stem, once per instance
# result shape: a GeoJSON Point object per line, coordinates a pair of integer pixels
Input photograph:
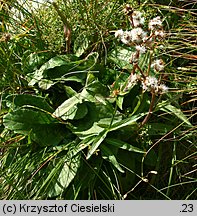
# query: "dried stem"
{"type": "Point", "coordinates": [67, 28]}
{"type": "Point", "coordinates": [131, 21]}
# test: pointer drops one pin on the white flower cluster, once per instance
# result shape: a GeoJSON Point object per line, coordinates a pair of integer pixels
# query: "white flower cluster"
{"type": "Point", "coordinates": [133, 79]}
{"type": "Point", "coordinates": [140, 49]}
{"type": "Point", "coordinates": [119, 33]}
{"type": "Point", "coordinates": [158, 65]}
{"type": "Point", "coordinates": [135, 36]}
{"type": "Point", "coordinates": [152, 84]}
{"type": "Point", "coordinates": [142, 41]}
{"type": "Point", "coordinates": [156, 27]}
{"type": "Point", "coordinates": [138, 20]}
{"type": "Point", "coordinates": [138, 34]}
{"type": "Point", "coordinates": [155, 23]}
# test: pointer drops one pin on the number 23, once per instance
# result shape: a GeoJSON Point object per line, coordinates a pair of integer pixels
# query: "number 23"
{"type": "Point", "coordinates": [187, 208]}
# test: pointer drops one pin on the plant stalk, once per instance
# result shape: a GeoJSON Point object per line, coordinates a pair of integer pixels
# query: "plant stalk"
{"type": "Point", "coordinates": [150, 110]}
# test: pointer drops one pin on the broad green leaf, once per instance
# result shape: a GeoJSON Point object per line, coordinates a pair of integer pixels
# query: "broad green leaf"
{"type": "Point", "coordinates": [119, 101]}
{"type": "Point", "coordinates": [39, 74]}
{"type": "Point", "coordinates": [93, 131]}
{"type": "Point", "coordinates": [78, 111]}
{"type": "Point", "coordinates": [70, 91]}
{"type": "Point", "coordinates": [64, 68]}
{"type": "Point", "coordinates": [177, 112]}
{"type": "Point", "coordinates": [67, 105]}
{"type": "Point", "coordinates": [123, 145]}
{"type": "Point", "coordinates": [125, 122]}
{"type": "Point", "coordinates": [41, 126]}
{"type": "Point", "coordinates": [63, 62]}
{"type": "Point", "coordinates": [89, 126]}
{"type": "Point", "coordinates": [96, 143]}
{"type": "Point", "coordinates": [95, 92]}
{"type": "Point", "coordinates": [140, 103]}
{"type": "Point", "coordinates": [45, 84]}
{"type": "Point", "coordinates": [68, 172]}
{"type": "Point", "coordinates": [107, 154]}
{"type": "Point", "coordinates": [96, 87]}
{"type": "Point", "coordinates": [32, 61]}
{"type": "Point", "coordinates": [59, 172]}
{"type": "Point", "coordinates": [14, 101]}
{"type": "Point", "coordinates": [106, 122]}
{"type": "Point", "coordinates": [81, 111]}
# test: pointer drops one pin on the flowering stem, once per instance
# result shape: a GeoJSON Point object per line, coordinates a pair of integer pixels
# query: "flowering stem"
{"type": "Point", "coordinates": [134, 69]}
{"type": "Point", "coordinates": [150, 110]}
{"type": "Point", "coordinates": [137, 66]}
{"type": "Point", "coordinates": [149, 37]}
{"type": "Point", "coordinates": [131, 21]}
